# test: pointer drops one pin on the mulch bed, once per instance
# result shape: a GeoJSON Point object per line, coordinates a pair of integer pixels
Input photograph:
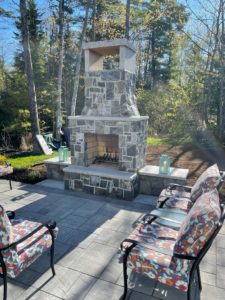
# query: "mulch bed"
{"type": "Point", "coordinates": [192, 157]}
{"type": "Point", "coordinates": [32, 175]}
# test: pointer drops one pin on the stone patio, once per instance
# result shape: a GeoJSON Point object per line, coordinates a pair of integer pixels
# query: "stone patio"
{"type": "Point", "coordinates": [91, 229]}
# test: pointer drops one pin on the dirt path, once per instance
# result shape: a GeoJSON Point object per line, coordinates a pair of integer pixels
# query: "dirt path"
{"type": "Point", "coordinates": [194, 158]}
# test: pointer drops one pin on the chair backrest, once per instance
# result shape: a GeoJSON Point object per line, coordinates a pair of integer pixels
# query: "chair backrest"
{"type": "Point", "coordinates": [5, 229]}
{"type": "Point", "coordinates": [199, 225]}
{"type": "Point", "coordinates": [209, 180]}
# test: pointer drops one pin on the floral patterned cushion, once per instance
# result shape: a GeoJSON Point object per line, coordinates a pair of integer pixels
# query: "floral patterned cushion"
{"type": "Point", "coordinates": [21, 256]}
{"type": "Point", "coordinates": [176, 193]}
{"type": "Point", "coordinates": [161, 267]}
{"type": "Point", "coordinates": [4, 170]}
{"type": "Point", "coordinates": [153, 262]}
{"type": "Point", "coordinates": [207, 181]}
{"type": "Point", "coordinates": [199, 224]}
{"type": "Point", "coordinates": [179, 203]}
{"type": "Point", "coordinates": [5, 229]}
{"type": "Point", "coordinates": [148, 232]}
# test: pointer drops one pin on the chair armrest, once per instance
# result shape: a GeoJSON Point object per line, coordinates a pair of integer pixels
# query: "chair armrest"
{"type": "Point", "coordinates": [8, 164]}
{"type": "Point", "coordinates": [167, 223]}
{"type": "Point", "coordinates": [171, 215]}
{"type": "Point", "coordinates": [222, 174]}
{"type": "Point", "coordinates": [50, 225]}
{"type": "Point", "coordinates": [134, 243]}
{"type": "Point", "coordinates": [174, 186]}
{"type": "Point", "coordinates": [10, 214]}
{"type": "Point", "coordinates": [172, 210]}
{"type": "Point", "coordinates": [168, 252]}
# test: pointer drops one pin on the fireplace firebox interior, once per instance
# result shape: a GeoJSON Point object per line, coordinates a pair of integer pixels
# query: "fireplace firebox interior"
{"type": "Point", "coordinates": [101, 148]}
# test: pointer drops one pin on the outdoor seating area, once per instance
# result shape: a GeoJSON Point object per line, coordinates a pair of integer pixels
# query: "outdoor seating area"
{"type": "Point", "coordinates": [163, 258]}
{"type": "Point", "coordinates": [169, 244]}
{"type": "Point", "coordinates": [112, 150]}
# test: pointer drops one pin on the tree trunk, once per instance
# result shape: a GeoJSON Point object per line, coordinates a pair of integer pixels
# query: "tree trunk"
{"type": "Point", "coordinates": [146, 64]}
{"type": "Point", "coordinates": [153, 66]}
{"type": "Point", "coordinates": [222, 74]}
{"type": "Point", "coordinates": [30, 77]}
{"type": "Point", "coordinates": [210, 64]}
{"type": "Point", "coordinates": [60, 71]}
{"type": "Point", "coordinates": [78, 62]}
{"type": "Point", "coordinates": [127, 28]}
{"type": "Point", "coordinates": [93, 20]}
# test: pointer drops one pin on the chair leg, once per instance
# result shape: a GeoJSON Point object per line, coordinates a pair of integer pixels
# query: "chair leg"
{"type": "Point", "coordinates": [4, 275]}
{"type": "Point", "coordinates": [10, 184]}
{"type": "Point", "coordinates": [191, 282]}
{"type": "Point", "coordinates": [52, 257]}
{"type": "Point", "coordinates": [125, 277]}
{"type": "Point", "coordinates": [189, 293]}
{"type": "Point", "coordinates": [199, 279]}
{"type": "Point", "coordinates": [5, 287]}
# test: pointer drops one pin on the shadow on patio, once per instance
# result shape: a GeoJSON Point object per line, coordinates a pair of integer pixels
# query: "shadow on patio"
{"type": "Point", "coordinates": [91, 229]}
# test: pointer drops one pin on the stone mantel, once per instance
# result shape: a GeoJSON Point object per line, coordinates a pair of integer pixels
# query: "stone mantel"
{"type": "Point", "coordinates": [97, 46]}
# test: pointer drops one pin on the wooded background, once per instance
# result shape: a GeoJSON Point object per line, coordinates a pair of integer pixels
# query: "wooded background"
{"type": "Point", "coordinates": [180, 64]}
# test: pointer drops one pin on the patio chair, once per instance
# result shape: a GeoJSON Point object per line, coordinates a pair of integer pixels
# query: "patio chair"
{"type": "Point", "coordinates": [183, 197]}
{"type": "Point", "coordinates": [21, 243]}
{"type": "Point", "coordinates": [6, 170]}
{"type": "Point", "coordinates": [173, 256]}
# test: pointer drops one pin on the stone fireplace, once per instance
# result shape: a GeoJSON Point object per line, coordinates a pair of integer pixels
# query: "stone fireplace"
{"type": "Point", "coordinates": [109, 138]}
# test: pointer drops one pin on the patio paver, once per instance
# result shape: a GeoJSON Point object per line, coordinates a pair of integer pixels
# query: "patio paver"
{"type": "Point", "coordinates": [91, 229]}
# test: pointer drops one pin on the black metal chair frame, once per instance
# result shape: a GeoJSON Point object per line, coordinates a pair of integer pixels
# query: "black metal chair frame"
{"type": "Point", "coordinates": [9, 179]}
{"type": "Point", "coordinates": [197, 259]}
{"type": "Point", "coordinates": [188, 189]}
{"type": "Point", "coordinates": [50, 225]}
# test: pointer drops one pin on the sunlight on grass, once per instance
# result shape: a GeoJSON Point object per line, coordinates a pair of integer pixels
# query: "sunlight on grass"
{"type": "Point", "coordinates": [170, 141]}
{"type": "Point", "coordinates": [27, 160]}
{"type": "Point", "coordinates": [156, 141]}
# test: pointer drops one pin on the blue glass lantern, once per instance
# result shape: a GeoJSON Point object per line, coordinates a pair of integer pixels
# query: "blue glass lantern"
{"type": "Point", "coordinates": [164, 164]}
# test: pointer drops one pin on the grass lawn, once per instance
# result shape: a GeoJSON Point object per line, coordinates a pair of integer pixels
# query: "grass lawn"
{"type": "Point", "coordinates": [24, 161]}
{"type": "Point", "coordinates": [170, 141]}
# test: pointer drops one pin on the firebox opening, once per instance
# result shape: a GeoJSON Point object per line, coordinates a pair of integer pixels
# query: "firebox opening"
{"type": "Point", "coordinates": [101, 149]}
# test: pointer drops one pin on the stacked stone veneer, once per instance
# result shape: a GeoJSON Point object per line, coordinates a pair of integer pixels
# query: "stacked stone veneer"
{"type": "Point", "coordinates": [110, 93]}
{"type": "Point", "coordinates": [109, 109]}
{"type": "Point", "coordinates": [117, 184]}
{"type": "Point", "coordinates": [132, 139]}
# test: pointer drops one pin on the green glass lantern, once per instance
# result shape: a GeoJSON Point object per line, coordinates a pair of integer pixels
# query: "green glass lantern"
{"type": "Point", "coordinates": [65, 154]}
{"type": "Point", "coordinates": [61, 154]}
{"type": "Point", "coordinates": [164, 164]}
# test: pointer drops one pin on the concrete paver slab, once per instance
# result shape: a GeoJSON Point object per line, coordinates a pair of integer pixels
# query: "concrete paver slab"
{"type": "Point", "coordinates": [103, 290]}
{"type": "Point", "coordinates": [91, 229]}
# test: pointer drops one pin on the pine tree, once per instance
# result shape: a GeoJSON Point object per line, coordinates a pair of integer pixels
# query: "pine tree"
{"type": "Point", "coordinates": [35, 129]}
